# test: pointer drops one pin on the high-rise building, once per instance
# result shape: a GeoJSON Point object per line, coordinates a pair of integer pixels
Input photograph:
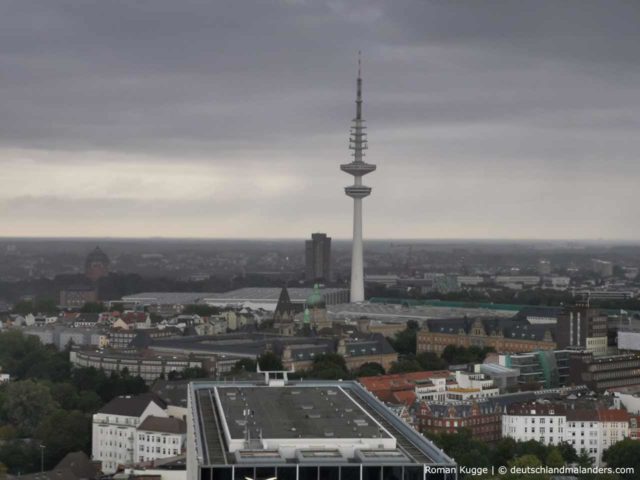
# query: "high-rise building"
{"type": "Point", "coordinates": [358, 168]}
{"type": "Point", "coordinates": [582, 327]}
{"type": "Point", "coordinates": [292, 430]}
{"type": "Point", "coordinates": [318, 258]}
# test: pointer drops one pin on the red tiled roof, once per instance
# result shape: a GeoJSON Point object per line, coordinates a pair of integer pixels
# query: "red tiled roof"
{"type": "Point", "coordinates": [385, 382]}
{"type": "Point", "coordinates": [134, 317]}
{"type": "Point", "coordinates": [405, 397]}
{"type": "Point", "coordinates": [605, 415]}
{"type": "Point", "coordinates": [582, 415]}
{"type": "Point", "coordinates": [385, 386]}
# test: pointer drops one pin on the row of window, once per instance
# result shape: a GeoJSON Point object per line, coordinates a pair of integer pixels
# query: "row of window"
{"type": "Point", "coordinates": [158, 439]}
{"type": "Point", "coordinates": [158, 450]}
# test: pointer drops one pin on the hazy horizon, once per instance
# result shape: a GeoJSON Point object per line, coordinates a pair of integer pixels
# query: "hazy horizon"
{"type": "Point", "coordinates": [339, 239]}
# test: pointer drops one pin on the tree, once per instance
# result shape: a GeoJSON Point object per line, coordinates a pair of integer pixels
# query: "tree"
{"type": "Point", "coordinates": [62, 432]}
{"type": "Point", "coordinates": [455, 354]}
{"type": "Point", "coordinates": [88, 378]}
{"type": "Point", "coordinates": [244, 365]}
{"type": "Point", "coordinates": [23, 356]}
{"type": "Point", "coordinates": [532, 447]}
{"type": "Point", "coordinates": [369, 369]}
{"type": "Point", "coordinates": [88, 402]}
{"type": "Point", "coordinates": [523, 462]}
{"type": "Point", "coordinates": [584, 459]}
{"type": "Point", "coordinates": [20, 456]}
{"type": "Point", "coordinates": [201, 310]}
{"type": "Point", "coordinates": [464, 449]}
{"type": "Point", "coordinates": [404, 342]}
{"type": "Point", "coordinates": [328, 366]}
{"type": "Point", "coordinates": [625, 453]}
{"type": "Point", "coordinates": [431, 361]}
{"type": "Point", "coordinates": [568, 452]}
{"type": "Point", "coordinates": [93, 307]}
{"type": "Point", "coordinates": [23, 307]}
{"type": "Point", "coordinates": [47, 306]}
{"type": "Point", "coordinates": [26, 404]}
{"type": "Point", "coordinates": [405, 365]}
{"type": "Point", "coordinates": [504, 451]}
{"type": "Point", "coordinates": [65, 394]}
{"type": "Point", "coordinates": [554, 459]}
{"type": "Point", "coordinates": [270, 361]}
{"type": "Point", "coordinates": [188, 373]}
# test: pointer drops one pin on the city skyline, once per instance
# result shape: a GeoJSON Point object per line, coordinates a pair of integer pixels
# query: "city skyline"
{"type": "Point", "coordinates": [228, 121]}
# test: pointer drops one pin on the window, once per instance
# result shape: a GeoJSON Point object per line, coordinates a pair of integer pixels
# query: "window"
{"type": "Point", "coordinates": [371, 473]}
{"type": "Point", "coordinates": [330, 473]}
{"type": "Point", "coordinates": [286, 473]}
{"type": "Point", "coordinates": [306, 473]}
{"type": "Point", "coordinates": [350, 473]}
{"type": "Point", "coordinates": [223, 473]}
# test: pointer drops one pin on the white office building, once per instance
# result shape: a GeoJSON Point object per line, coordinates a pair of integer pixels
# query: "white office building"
{"type": "Point", "coordinates": [114, 429]}
{"type": "Point", "coordinates": [587, 430]}
{"type": "Point", "coordinates": [159, 437]}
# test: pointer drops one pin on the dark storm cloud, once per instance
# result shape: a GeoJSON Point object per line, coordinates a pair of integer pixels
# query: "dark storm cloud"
{"type": "Point", "coordinates": [492, 90]}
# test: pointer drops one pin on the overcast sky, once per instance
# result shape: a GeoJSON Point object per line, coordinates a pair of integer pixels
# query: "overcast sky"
{"type": "Point", "coordinates": [178, 118]}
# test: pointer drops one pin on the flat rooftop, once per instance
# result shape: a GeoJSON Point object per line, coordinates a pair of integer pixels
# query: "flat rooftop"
{"type": "Point", "coordinates": [295, 422]}
{"type": "Point", "coordinates": [256, 296]}
{"type": "Point", "coordinates": [268, 294]}
{"type": "Point", "coordinates": [304, 412]}
{"type": "Point", "coordinates": [392, 313]}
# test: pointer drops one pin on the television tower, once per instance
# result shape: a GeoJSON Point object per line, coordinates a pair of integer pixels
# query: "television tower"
{"type": "Point", "coordinates": [358, 168]}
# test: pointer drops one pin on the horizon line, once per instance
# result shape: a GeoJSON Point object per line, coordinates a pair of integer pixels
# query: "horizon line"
{"type": "Point", "coordinates": [374, 239]}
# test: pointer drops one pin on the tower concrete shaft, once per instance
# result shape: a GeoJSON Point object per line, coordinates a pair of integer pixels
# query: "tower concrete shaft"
{"type": "Point", "coordinates": [358, 168]}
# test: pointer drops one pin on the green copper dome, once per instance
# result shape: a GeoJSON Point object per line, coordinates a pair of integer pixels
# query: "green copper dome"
{"type": "Point", "coordinates": [316, 299]}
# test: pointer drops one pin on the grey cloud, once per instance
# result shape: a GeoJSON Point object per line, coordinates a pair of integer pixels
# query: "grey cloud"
{"type": "Point", "coordinates": [500, 91]}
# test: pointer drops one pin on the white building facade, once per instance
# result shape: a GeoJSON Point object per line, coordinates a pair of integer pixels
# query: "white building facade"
{"type": "Point", "coordinates": [159, 437]}
{"type": "Point", "coordinates": [114, 429]}
{"type": "Point", "coordinates": [590, 431]}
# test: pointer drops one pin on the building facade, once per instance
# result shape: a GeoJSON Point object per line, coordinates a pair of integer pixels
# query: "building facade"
{"type": "Point", "coordinates": [482, 418]}
{"type": "Point", "coordinates": [582, 327]}
{"type": "Point", "coordinates": [601, 373]}
{"type": "Point", "coordinates": [540, 369]}
{"type": "Point", "coordinates": [504, 335]}
{"type": "Point", "coordinates": [114, 429]}
{"type": "Point", "coordinates": [76, 297]}
{"type": "Point", "coordinates": [591, 430]}
{"type": "Point", "coordinates": [159, 437]}
{"type": "Point", "coordinates": [148, 365]}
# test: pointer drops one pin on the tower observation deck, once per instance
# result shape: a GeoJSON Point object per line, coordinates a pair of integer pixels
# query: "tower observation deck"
{"type": "Point", "coordinates": [358, 168]}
